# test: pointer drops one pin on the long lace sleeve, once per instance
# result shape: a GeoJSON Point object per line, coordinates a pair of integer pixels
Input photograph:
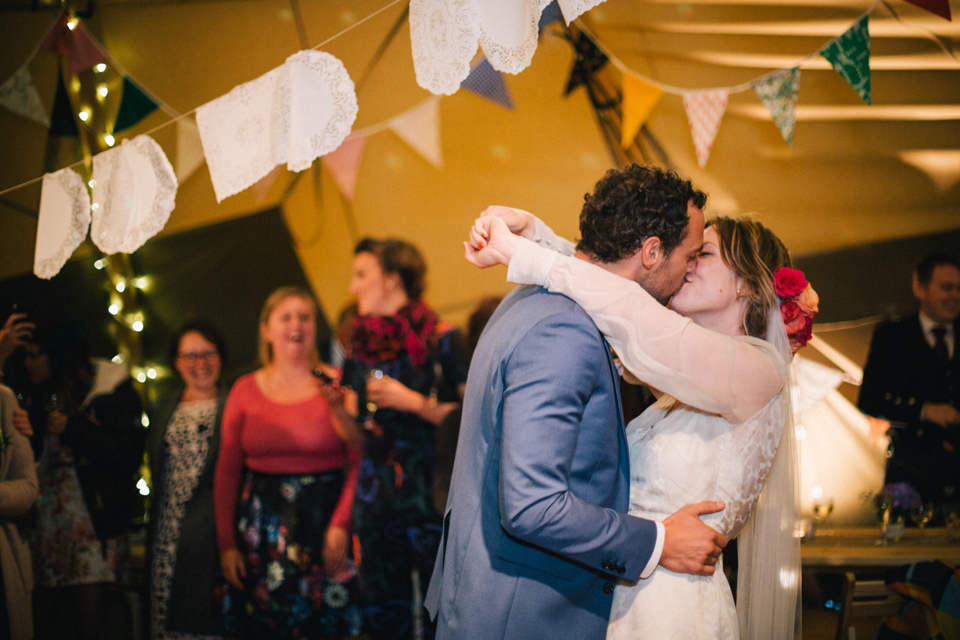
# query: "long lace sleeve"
{"type": "Point", "coordinates": [734, 378]}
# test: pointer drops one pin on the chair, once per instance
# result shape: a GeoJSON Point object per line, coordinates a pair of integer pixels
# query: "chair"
{"type": "Point", "coordinates": [863, 599]}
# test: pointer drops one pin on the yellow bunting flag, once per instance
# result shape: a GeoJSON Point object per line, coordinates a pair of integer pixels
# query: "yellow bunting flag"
{"type": "Point", "coordinates": [639, 99]}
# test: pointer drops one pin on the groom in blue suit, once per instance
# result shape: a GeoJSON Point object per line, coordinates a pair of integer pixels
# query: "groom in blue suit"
{"type": "Point", "coordinates": [535, 531]}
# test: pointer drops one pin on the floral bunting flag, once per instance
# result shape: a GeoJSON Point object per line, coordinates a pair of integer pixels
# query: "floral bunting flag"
{"type": "Point", "coordinates": [84, 52]}
{"type": "Point", "coordinates": [62, 120]}
{"type": "Point", "coordinates": [189, 149]}
{"type": "Point", "coordinates": [487, 82]}
{"type": "Point", "coordinates": [588, 59]}
{"type": "Point", "coordinates": [850, 56]}
{"type": "Point", "coordinates": [939, 7]}
{"type": "Point", "coordinates": [19, 94]}
{"type": "Point", "coordinates": [135, 105]}
{"type": "Point", "coordinates": [62, 222]}
{"type": "Point", "coordinates": [705, 110]}
{"type": "Point", "coordinates": [639, 99]}
{"type": "Point", "coordinates": [778, 92]}
{"type": "Point", "coordinates": [419, 127]}
{"type": "Point", "coordinates": [344, 164]}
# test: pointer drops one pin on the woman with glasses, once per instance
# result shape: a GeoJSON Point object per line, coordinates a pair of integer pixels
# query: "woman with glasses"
{"type": "Point", "coordinates": [182, 444]}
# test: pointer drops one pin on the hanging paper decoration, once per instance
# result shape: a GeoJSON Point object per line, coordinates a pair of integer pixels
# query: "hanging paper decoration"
{"type": "Point", "coordinates": [62, 120]}
{"type": "Point", "coordinates": [135, 105]}
{"type": "Point", "coordinates": [63, 221]}
{"type": "Point", "coordinates": [939, 7]}
{"type": "Point", "coordinates": [588, 59]}
{"type": "Point", "coordinates": [291, 114]}
{"type": "Point", "coordinates": [84, 52]}
{"type": "Point", "coordinates": [551, 13]}
{"type": "Point", "coordinates": [419, 127]}
{"type": "Point", "coordinates": [639, 99]}
{"type": "Point", "coordinates": [850, 56]}
{"type": "Point", "coordinates": [487, 82]}
{"type": "Point", "coordinates": [133, 194]}
{"type": "Point", "coordinates": [189, 149]}
{"type": "Point", "coordinates": [705, 110]}
{"type": "Point", "coordinates": [778, 92]}
{"type": "Point", "coordinates": [19, 94]}
{"type": "Point", "coordinates": [344, 164]}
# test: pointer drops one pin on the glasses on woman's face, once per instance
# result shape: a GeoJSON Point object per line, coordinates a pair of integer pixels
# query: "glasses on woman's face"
{"type": "Point", "coordinates": [195, 356]}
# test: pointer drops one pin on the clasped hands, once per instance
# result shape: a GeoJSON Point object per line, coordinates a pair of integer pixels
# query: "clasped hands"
{"type": "Point", "coordinates": [494, 235]}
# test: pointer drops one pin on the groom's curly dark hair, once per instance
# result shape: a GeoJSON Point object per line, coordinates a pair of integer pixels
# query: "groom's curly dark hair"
{"type": "Point", "coordinates": [629, 205]}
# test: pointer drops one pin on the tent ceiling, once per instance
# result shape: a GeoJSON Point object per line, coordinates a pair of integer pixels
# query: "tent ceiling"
{"type": "Point", "coordinates": [855, 174]}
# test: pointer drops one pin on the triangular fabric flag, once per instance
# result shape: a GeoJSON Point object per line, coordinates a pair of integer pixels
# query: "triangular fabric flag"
{"type": "Point", "coordinates": [550, 14]}
{"type": "Point", "coordinates": [487, 82]}
{"type": "Point", "coordinates": [939, 7]}
{"type": "Point", "coordinates": [19, 94]}
{"type": "Point", "coordinates": [134, 190]}
{"type": "Point", "coordinates": [850, 56]}
{"type": "Point", "coordinates": [84, 52]}
{"type": "Point", "coordinates": [343, 163]}
{"type": "Point", "coordinates": [135, 105]}
{"type": "Point", "coordinates": [189, 149]}
{"type": "Point", "coordinates": [62, 121]}
{"type": "Point", "coordinates": [778, 92]}
{"type": "Point", "coordinates": [59, 38]}
{"type": "Point", "coordinates": [639, 99]}
{"type": "Point", "coordinates": [419, 127]}
{"type": "Point", "coordinates": [63, 221]}
{"type": "Point", "coordinates": [588, 59]}
{"type": "Point", "coordinates": [705, 110]}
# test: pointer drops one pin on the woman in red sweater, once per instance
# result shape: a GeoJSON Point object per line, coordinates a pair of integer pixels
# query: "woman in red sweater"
{"type": "Point", "coordinates": [284, 486]}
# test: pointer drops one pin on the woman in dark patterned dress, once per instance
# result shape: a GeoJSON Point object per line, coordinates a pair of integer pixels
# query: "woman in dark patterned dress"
{"type": "Point", "coordinates": [399, 359]}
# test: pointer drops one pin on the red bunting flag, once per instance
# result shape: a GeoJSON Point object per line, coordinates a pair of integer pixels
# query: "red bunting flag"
{"type": "Point", "coordinates": [939, 7]}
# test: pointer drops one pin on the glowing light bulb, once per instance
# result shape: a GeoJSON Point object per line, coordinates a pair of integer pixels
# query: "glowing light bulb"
{"type": "Point", "coordinates": [142, 282]}
{"type": "Point", "coordinates": [72, 23]}
{"type": "Point", "coordinates": [84, 114]}
{"type": "Point", "coordinates": [99, 263]}
{"type": "Point", "coordinates": [113, 309]}
{"type": "Point", "coordinates": [137, 326]}
{"type": "Point", "coordinates": [144, 420]}
{"type": "Point", "coordinates": [117, 358]}
{"type": "Point", "coordinates": [101, 67]}
{"type": "Point", "coordinates": [141, 377]}
{"type": "Point", "coordinates": [92, 183]}
{"type": "Point", "coordinates": [109, 139]}
{"type": "Point", "coordinates": [142, 486]}
{"type": "Point", "coordinates": [121, 286]}
{"type": "Point", "coordinates": [152, 373]}
{"type": "Point", "coordinates": [102, 91]}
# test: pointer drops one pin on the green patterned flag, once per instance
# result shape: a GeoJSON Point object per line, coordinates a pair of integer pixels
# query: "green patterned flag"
{"type": "Point", "coordinates": [134, 106]}
{"type": "Point", "coordinates": [850, 56]}
{"type": "Point", "coordinates": [778, 92]}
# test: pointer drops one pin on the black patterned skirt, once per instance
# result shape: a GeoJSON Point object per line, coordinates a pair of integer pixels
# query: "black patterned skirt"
{"type": "Point", "coordinates": [281, 526]}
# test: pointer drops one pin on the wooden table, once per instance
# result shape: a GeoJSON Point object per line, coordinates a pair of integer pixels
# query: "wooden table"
{"type": "Point", "coordinates": [852, 548]}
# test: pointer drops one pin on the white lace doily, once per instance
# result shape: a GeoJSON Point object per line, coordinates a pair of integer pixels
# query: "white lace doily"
{"type": "Point", "coordinates": [445, 34]}
{"type": "Point", "coordinates": [294, 114]}
{"type": "Point", "coordinates": [133, 194]}
{"type": "Point", "coordinates": [63, 221]}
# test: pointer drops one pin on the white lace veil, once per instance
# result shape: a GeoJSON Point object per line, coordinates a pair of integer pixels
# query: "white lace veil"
{"type": "Point", "coordinates": [768, 580]}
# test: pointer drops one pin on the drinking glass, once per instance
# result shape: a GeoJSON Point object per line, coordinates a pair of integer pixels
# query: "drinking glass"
{"type": "Point", "coordinates": [921, 515]}
{"type": "Point", "coordinates": [822, 507]}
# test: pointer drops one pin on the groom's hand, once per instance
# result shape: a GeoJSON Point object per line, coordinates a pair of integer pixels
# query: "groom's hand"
{"type": "Point", "coordinates": [690, 546]}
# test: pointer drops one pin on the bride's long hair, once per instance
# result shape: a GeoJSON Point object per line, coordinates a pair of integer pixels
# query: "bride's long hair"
{"type": "Point", "coordinates": [768, 576]}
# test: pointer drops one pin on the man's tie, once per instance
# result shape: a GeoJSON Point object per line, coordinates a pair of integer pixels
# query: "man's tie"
{"type": "Point", "coordinates": [939, 343]}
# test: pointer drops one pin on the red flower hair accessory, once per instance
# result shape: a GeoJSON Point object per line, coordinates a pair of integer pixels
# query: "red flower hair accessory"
{"type": "Point", "coordinates": [798, 304]}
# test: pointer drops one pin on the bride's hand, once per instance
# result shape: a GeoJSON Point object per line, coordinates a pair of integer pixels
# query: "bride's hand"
{"type": "Point", "coordinates": [491, 243]}
{"type": "Point", "coordinates": [520, 222]}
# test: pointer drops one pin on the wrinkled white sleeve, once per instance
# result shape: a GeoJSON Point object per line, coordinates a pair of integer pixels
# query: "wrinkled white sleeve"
{"type": "Point", "coordinates": [544, 236]}
{"type": "Point", "coordinates": [734, 378]}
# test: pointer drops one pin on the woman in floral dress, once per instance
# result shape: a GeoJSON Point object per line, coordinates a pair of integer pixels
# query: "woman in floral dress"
{"type": "Point", "coordinates": [284, 486]}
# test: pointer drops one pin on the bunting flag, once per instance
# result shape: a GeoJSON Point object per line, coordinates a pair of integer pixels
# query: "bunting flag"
{"type": "Point", "coordinates": [135, 105]}
{"type": "Point", "coordinates": [588, 59]}
{"type": "Point", "coordinates": [84, 52]}
{"type": "Point", "coordinates": [778, 92]}
{"type": "Point", "coordinates": [550, 14]}
{"type": "Point", "coordinates": [705, 110]}
{"type": "Point", "coordinates": [63, 121]}
{"type": "Point", "coordinates": [419, 127]}
{"type": "Point", "coordinates": [343, 163]}
{"type": "Point", "coordinates": [850, 56]}
{"type": "Point", "coordinates": [939, 7]}
{"type": "Point", "coordinates": [19, 94]}
{"type": "Point", "coordinates": [62, 222]}
{"type": "Point", "coordinates": [639, 99]}
{"type": "Point", "coordinates": [189, 149]}
{"type": "Point", "coordinates": [59, 38]}
{"type": "Point", "coordinates": [487, 82]}
{"type": "Point", "coordinates": [134, 191]}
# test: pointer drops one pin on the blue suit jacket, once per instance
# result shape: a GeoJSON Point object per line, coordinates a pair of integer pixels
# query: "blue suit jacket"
{"type": "Point", "coordinates": [535, 532]}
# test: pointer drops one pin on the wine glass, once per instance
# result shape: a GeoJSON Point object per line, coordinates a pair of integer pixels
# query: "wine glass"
{"type": "Point", "coordinates": [822, 507]}
{"type": "Point", "coordinates": [373, 374]}
{"type": "Point", "coordinates": [921, 515]}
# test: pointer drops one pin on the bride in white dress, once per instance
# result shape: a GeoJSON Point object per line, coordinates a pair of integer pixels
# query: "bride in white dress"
{"type": "Point", "coordinates": [721, 357]}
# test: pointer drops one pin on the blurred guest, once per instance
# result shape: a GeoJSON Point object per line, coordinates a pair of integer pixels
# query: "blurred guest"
{"type": "Point", "coordinates": [85, 417]}
{"type": "Point", "coordinates": [284, 487]}
{"type": "Point", "coordinates": [182, 444]}
{"type": "Point", "coordinates": [18, 490]}
{"type": "Point", "coordinates": [912, 379]}
{"type": "Point", "coordinates": [340, 340]}
{"type": "Point", "coordinates": [395, 355]}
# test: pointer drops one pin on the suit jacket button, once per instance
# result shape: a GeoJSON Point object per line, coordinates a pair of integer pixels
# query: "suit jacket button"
{"type": "Point", "coordinates": [621, 569]}
{"type": "Point", "coordinates": [605, 564]}
{"type": "Point", "coordinates": [608, 588]}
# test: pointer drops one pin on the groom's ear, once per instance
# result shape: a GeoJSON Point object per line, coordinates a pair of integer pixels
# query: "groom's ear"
{"type": "Point", "coordinates": [651, 252]}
